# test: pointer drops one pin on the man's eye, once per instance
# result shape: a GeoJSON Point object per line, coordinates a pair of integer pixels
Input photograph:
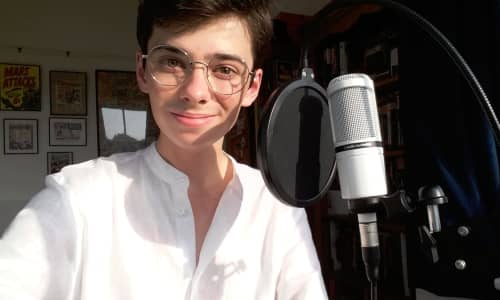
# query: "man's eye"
{"type": "Point", "coordinates": [170, 62]}
{"type": "Point", "coordinates": [225, 71]}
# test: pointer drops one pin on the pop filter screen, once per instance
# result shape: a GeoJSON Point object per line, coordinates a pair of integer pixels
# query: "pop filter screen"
{"type": "Point", "coordinates": [295, 149]}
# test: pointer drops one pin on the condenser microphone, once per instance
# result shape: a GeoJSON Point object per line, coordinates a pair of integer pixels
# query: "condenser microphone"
{"type": "Point", "coordinates": [360, 156]}
{"type": "Point", "coordinates": [357, 137]}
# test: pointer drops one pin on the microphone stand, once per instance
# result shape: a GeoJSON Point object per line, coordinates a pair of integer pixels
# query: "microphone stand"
{"type": "Point", "coordinates": [397, 203]}
{"type": "Point", "coordinates": [429, 198]}
{"type": "Point", "coordinates": [405, 12]}
{"type": "Point", "coordinates": [366, 210]}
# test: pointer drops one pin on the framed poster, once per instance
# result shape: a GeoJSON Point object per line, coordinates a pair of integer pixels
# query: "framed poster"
{"type": "Point", "coordinates": [68, 93]}
{"type": "Point", "coordinates": [57, 160]}
{"type": "Point", "coordinates": [67, 132]}
{"type": "Point", "coordinates": [20, 87]}
{"type": "Point", "coordinates": [125, 122]}
{"type": "Point", "coordinates": [20, 136]}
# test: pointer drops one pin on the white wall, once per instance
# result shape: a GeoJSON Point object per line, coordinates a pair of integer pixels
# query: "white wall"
{"type": "Point", "coordinates": [98, 35]}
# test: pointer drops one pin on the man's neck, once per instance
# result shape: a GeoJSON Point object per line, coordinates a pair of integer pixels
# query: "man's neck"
{"type": "Point", "coordinates": [208, 169]}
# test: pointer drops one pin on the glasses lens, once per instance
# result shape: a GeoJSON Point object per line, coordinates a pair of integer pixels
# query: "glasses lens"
{"type": "Point", "coordinates": [168, 65]}
{"type": "Point", "coordinates": [226, 75]}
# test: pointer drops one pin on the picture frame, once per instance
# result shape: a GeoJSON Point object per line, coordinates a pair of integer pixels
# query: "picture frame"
{"type": "Point", "coordinates": [67, 131]}
{"type": "Point", "coordinates": [68, 93]}
{"type": "Point", "coordinates": [124, 119]}
{"type": "Point", "coordinates": [57, 160]}
{"type": "Point", "coordinates": [20, 136]}
{"type": "Point", "coordinates": [20, 88]}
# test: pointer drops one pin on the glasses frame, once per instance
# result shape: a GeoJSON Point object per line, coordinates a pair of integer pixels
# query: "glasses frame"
{"type": "Point", "coordinates": [191, 62]}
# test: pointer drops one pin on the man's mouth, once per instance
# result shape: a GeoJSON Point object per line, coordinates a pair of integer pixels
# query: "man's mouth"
{"type": "Point", "coordinates": [192, 119]}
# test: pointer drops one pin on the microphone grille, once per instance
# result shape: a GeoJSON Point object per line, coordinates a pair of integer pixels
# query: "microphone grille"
{"type": "Point", "coordinates": [353, 108]}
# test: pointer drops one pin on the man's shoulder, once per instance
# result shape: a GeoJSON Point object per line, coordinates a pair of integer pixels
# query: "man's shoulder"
{"type": "Point", "coordinates": [90, 185]}
{"type": "Point", "coordinates": [99, 169]}
{"type": "Point", "coordinates": [255, 188]}
{"type": "Point", "coordinates": [251, 180]}
{"type": "Point", "coordinates": [246, 171]}
{"type": "Point", "coordinates": [117, 159]}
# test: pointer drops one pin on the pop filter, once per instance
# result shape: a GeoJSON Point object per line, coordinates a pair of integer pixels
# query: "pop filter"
{"type": "Point", "coordinates": [295, 150]}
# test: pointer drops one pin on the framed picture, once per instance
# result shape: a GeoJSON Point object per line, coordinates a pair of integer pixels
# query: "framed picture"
{"type": "Point", "coordinates": [68, 93]}
{"type": "Point", "coordinates": [20, 87]}
{"type": "Point", "coordinates": [57, 160]}
{"type": "Point", "coordinates": [124, 119]}
{"type": "Point", "coordinates": [67, 131]}
{"type": "Point", "coordinates": [20, 136]}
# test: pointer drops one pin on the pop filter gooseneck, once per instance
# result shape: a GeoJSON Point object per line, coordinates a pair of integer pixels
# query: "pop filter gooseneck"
{"type": "Point", "coordinates": [433, 32]}
{"type": "Point", "coordinates": [295, 151]}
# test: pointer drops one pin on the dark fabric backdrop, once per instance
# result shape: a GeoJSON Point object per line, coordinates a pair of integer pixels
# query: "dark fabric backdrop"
{"type": "Point", "coordinates": [450, 143]}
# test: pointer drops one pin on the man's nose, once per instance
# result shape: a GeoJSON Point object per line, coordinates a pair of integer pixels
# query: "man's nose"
{"type": "Point", "coordinates": [196, 85]}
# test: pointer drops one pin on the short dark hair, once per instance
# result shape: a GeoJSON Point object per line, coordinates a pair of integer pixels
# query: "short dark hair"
{"type": "Point", "coordinates": [186, 15]}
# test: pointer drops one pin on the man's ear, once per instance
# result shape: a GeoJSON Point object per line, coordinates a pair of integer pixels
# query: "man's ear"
{"type": "Point", "coordinates": [140, 72]}
{"type": "Point", "coordinates": [252, 92]}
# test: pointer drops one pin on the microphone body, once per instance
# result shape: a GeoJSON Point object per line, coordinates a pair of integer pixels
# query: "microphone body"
{"type": "Point", "coordinates": [360, 156]}
{"type": "Point", "coordinates": [357, 137]}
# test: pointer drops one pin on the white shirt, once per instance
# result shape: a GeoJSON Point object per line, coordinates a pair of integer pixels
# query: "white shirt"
{"type": "Point", "coordinates": [122, 228]}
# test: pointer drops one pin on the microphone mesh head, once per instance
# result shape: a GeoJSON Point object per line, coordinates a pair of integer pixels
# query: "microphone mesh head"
{"type": "Point", "coordinates": [353, 108]}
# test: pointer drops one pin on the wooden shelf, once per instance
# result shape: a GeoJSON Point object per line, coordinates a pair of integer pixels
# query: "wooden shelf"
{"type": "Point", "coordinates": [358, 29]}
{"type": "Point", "coordinates": [384, 82]}
{"type": "Point", "coordinates": [342, 19]}
{"type": "Point", "coordinates": [394, 152]}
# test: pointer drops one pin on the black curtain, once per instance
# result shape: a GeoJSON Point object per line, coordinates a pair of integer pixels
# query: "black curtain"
{"type": "Point", "coordinates": [449, 142]}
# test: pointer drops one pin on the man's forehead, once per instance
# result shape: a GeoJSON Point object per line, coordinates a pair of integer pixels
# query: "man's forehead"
{"type": "Point", "coordinates": [224, 36]}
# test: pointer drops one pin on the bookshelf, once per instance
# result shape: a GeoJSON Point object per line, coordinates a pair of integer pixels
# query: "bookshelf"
{"type": "Point", "coordinates": [365, 39]}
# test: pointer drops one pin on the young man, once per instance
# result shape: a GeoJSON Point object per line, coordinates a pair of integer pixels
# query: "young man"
{"type": "Point", "coordinates": [180, 219]}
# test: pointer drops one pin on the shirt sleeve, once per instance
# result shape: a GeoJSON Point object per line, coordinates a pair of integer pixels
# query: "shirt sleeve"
{"type": "Point", "coordinates": [300, 276]}
{"type": "Point", "coordinates": [37, 253]}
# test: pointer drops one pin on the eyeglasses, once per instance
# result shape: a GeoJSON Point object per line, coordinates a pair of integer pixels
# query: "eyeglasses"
{"type": "Point", "coordinates": [170, 66]}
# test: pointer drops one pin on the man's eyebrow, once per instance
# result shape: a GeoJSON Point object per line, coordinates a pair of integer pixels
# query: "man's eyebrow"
{"type": "Point", "coordinates": [227, 56]}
